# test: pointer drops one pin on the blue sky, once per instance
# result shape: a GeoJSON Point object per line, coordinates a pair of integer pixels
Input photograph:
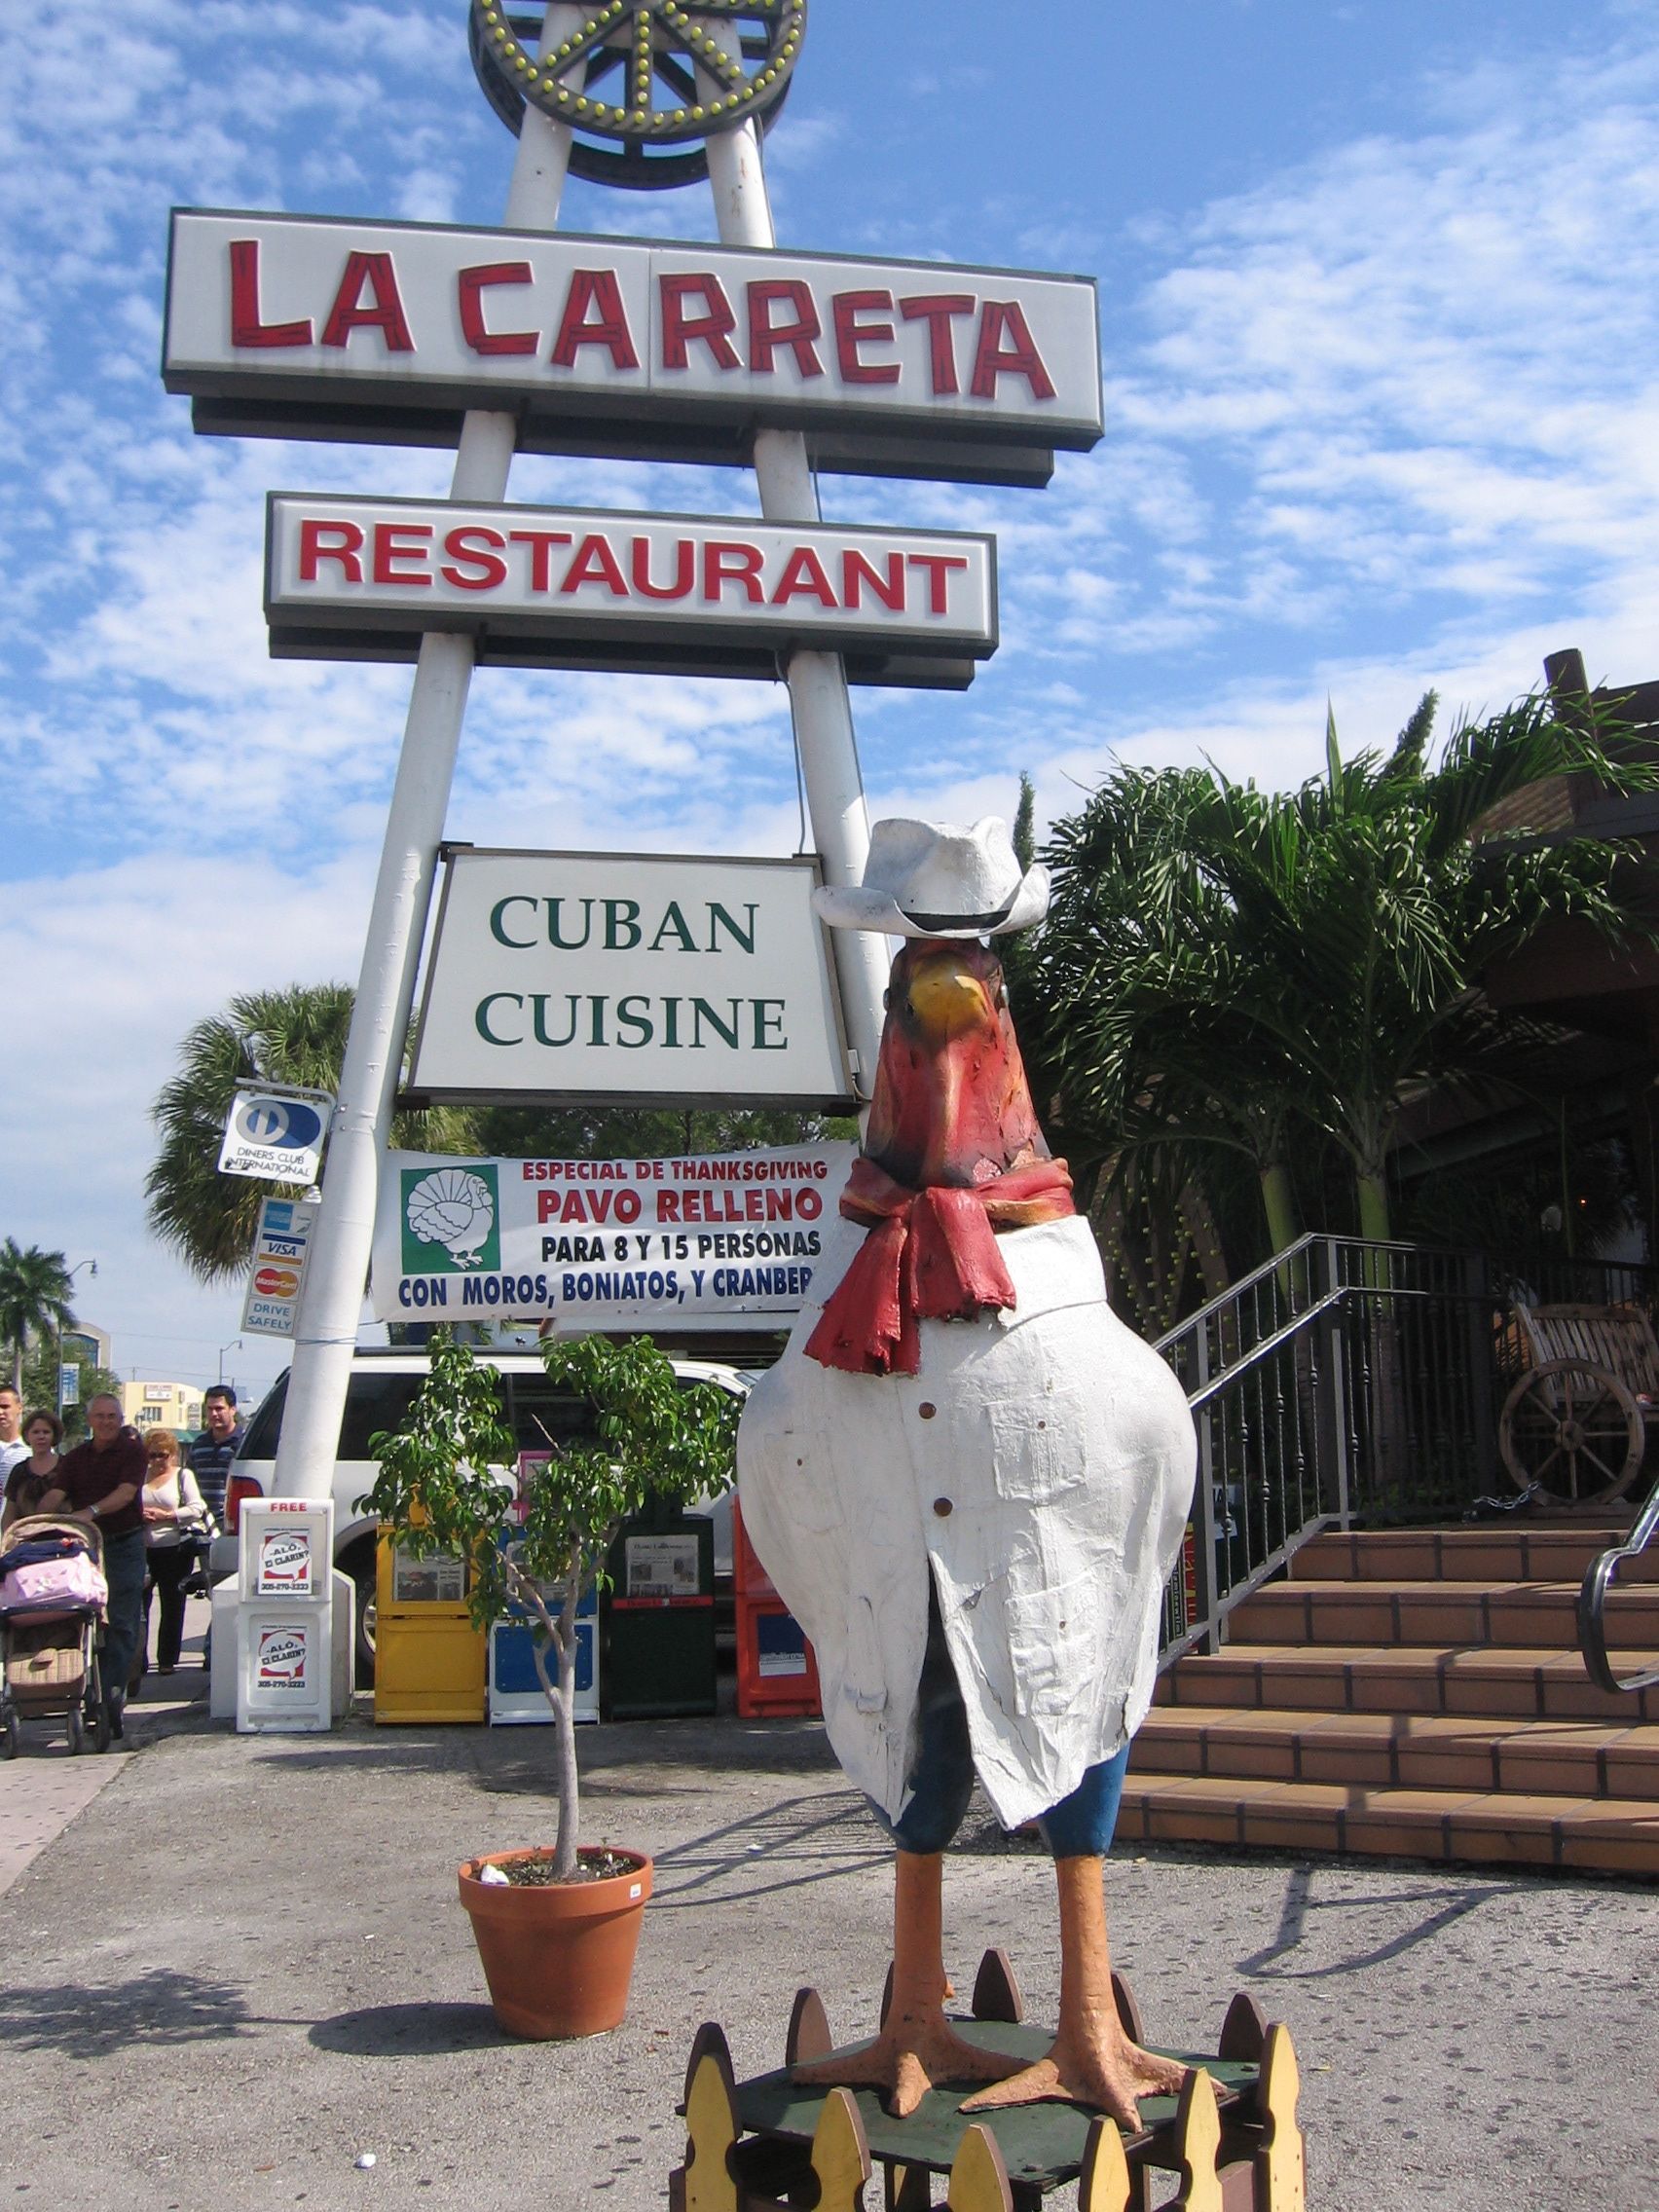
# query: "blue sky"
{"type": "Point", "coordinates": [1378, 289]}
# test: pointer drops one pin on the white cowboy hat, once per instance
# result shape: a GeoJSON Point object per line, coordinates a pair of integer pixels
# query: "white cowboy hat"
{"type": "Point", "coordinates": [929, 879]}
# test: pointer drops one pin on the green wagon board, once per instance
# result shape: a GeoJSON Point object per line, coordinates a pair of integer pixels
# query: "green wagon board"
{"type": "Point", "coordinates": [1042, 2145]}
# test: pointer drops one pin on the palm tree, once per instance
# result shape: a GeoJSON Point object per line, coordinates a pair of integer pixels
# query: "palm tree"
{"type": "Point", "coordinates": [34, 1298]}
{"type": "Point", "coordinates": [1228, 966]}
{"type": "Point", "coordinates": [296, 1036]}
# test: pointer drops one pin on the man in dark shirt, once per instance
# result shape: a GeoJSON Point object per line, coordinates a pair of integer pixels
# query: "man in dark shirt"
{"type": "Point", "coordinates": [102, 1481]}
{"type": "Point", "coordinates": [212, 1452]}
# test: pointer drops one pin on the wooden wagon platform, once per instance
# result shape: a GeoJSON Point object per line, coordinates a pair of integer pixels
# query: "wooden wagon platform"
{"type": "Point", "coordinates": [1230, 2143]}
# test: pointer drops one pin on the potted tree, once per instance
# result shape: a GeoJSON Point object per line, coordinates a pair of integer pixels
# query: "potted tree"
{"type": "Point", "coordinates": [556, 1929]}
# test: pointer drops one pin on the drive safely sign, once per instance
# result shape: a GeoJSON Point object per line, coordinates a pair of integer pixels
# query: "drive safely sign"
{"type": "Point", "coordinates": [278, 1269]}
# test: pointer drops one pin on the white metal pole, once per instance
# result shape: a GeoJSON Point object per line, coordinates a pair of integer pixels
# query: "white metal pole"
{"type": "Point", "coordinates": [817, 681]}
{"type": "Point", "coordinates": [326, 1329]}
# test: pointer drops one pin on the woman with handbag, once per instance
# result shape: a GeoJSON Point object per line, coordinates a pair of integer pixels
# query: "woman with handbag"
{"type": "Point", "coordinates": [176, 1525]}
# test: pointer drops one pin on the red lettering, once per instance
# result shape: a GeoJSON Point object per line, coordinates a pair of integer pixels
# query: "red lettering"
{"type": "Point", "coordinates": [681, 331]}
{"type": "Point", "coordinates": [474, 572]}
{"type": "Point", "coordinates": [247, 327]}
{"type": "Point", "coordinates": [685, 569]}
{"type": "Point", "coordinates": [804, 577]}
{"type": "Point", "coordinates": [1000, 318]}
{"type": "Point", "coordinates": [937, 565]}
{"type": "Point", "coordinates": [595, 563]}
{"type": "Point", "coordinates": [375, 272]}
{"type": "Point", "coordinates": [667, 1205]}
{"type": "Point", "coordinates": [765, 337]}
{"type": "Point", "coordinates": [388, 551]}
{"type": "Point", "coordinates": [850, 334]}
{"type": "Point", "coordinates": [728, 563]}
{"type": "Point", "coordinates": [754, 1205]}
{"type": "Point", "coordinates": [546, 1202]}
{"type": "Point", "coordinates": [470, 283]}
{"type": "Point", "coordinates": [541, 543]}
{"type": "Point", "coordinates": [935, 309]}
{"type": "Point", "coordinates": [857, 571]}
{"type": "Point", "coordinates": [315, 547]}
{"type": "Point", "coordinates": [572, 1208]}
{"type": "Point", "coordinates": [598, 289]}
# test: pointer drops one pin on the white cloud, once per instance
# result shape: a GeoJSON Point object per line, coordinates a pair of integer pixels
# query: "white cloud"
{"type": "Point", "coordinates": [1385, 420]}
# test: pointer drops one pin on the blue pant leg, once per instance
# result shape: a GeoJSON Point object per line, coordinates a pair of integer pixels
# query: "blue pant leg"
{"type": "Point", "coordinates": [1081, 1825]}
{"type": "Point", "coordinates": [942, 1774]}
{"type": "Point", "coordinates": [124, 1566]}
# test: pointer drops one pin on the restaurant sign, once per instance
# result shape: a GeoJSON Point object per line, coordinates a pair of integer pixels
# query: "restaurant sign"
{"type": "Point", "coordinates": [645, 979]}
{"type": "Point", "coordinates": [365, 578]}
{"type": "Point", "coordinates": [312, 326]}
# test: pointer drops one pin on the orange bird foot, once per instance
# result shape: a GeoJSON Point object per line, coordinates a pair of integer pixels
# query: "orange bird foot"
{"type": "Point", "coordinates": [907, 2060]}
{"type": "Point", "coordinates": [1103, 2070]}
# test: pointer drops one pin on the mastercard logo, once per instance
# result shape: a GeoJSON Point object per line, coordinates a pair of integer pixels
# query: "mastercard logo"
{"type": "Point", "coordinates": [277, 1282]}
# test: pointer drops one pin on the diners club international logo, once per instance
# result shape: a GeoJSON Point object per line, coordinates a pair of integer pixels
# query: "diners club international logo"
{"type": "Point", "coordinates": [451, 1220]}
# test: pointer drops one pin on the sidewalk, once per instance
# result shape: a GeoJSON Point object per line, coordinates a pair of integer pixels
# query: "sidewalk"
{"type": "Point", "coordinates": [242, 1963]}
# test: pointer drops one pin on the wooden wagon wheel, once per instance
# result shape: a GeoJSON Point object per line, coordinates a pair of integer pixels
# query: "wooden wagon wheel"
{"type": "Point", "coordinates": [1573, 1428]}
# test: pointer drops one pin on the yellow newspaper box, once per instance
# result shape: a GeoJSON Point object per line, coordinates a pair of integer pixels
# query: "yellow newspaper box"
{"type": "Point", "coordinates": [429, 1660]}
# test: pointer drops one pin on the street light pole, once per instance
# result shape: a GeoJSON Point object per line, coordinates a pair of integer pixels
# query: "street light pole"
{"type": "Point", "coordinates": [58, 1341]}
{"type": "Point", "coordinates": [223, 1348]}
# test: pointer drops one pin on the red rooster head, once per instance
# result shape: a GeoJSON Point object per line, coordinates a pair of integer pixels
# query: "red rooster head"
{"type": "Point", "coordinates": [952, 1103]}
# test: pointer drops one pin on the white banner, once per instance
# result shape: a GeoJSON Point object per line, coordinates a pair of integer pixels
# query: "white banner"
{"type": "Point", "coordinates": [708, 1242]}
{"type": "Point", "coordinates": [278, 1270]}
{"type": "Point", "coordinates": [629, 975]}
{"type": "Point", "coordinates": [364, 578]}
{"type": "Point", "coordinates": [297, 324]}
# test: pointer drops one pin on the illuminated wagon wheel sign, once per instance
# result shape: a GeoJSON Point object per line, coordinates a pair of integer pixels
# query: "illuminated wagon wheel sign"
{"type": "Point", "coordinates": [638, 88]}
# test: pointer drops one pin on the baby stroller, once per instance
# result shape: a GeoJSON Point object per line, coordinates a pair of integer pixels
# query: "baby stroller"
{"type": "Point", "coordinates": [53, 1602]}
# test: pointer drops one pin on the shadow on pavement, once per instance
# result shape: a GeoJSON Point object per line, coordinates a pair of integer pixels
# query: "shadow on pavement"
{"type": "Point", "coordinates": [86, 2020]}
{"type": "Point", "coordinates": [409, 2031]}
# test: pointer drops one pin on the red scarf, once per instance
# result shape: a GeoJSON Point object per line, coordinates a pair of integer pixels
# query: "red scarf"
{"type": "Point", "coordinates": [931, 1256]}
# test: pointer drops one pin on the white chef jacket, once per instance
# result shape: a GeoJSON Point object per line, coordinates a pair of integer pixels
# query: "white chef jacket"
{"type": "Point", "coordinates": [1039, 1465]}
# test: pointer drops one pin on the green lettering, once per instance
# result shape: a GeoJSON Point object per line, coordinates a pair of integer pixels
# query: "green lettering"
{"type": "Point", "coordinates": [673, 919]}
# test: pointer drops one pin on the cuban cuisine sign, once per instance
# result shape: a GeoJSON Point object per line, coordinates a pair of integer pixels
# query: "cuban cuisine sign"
{"type": "Point", "coordinates": [603, 1243]}
{"type": "Point", "coordinates": [310, 326]}
{"type": "Point", "coordinates": [364, 578]}
{"type": "Point", "coordinates": [644, 978]}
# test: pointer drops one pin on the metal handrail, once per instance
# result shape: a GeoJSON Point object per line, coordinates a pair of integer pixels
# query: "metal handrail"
{"type": "Point", "coordinates": [1593, 1599]}
{"type": "Point", "coordinates": [1267, 1345]}
{"type": "Point", "coordinates": [1347, 1379]}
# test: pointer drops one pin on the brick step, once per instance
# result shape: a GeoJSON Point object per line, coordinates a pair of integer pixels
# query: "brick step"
{"type": "Point", "coordinates": [1615, 1834]}
{"type": "Point", "coordinates": [1511, 1614]}
{"type": "Point", "coordinates": [1536, 1552]}
{"type": "Point", "coordinates": [1379, 1751]}
{"type": "Point", "coordinates": [1515, 1683]}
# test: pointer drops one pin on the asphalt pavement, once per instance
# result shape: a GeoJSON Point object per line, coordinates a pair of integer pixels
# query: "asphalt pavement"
{"type": "Point", "coordinates": [237, 1966]}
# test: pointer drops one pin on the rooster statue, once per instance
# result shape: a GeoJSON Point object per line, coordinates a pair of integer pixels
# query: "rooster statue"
{"type": "Point", "coordinates": [969, 1479]}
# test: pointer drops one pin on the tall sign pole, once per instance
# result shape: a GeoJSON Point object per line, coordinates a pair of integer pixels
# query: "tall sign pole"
{"type": "Point", "coordinates": [325, 1333]}
{"type": "Point", "coordinates": [821, 711]}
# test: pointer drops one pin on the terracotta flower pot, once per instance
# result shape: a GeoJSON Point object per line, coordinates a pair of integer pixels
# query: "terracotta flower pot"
{"type": "Point", "coordinates": [558, 1957]}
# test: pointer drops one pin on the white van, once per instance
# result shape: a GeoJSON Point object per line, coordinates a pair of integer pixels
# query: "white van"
{"type": "Point", "coordinates": [383, 1387]}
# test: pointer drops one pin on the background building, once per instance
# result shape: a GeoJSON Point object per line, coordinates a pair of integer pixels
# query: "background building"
{"type": "Point", "coordinates": [162, 1405]}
